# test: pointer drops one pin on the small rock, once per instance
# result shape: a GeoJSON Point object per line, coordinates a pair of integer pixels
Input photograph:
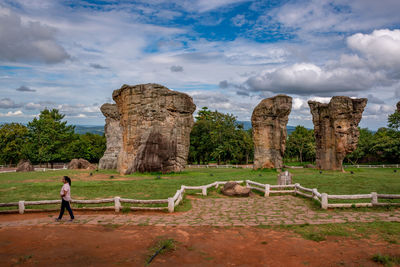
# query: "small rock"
{"type": "Point", "coordinates": [77, 164]}
{"type": "Point", "coordinates": [234, 189]}
{"type": "Point", "coordinates": [25, 165]}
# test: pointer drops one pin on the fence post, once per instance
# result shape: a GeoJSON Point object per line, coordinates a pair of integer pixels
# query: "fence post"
{"type": "Point", "coordinates": [295, 188]}
{"type": "Point", "coordinates": [374, 198]}
{"type": "Point", "coordinates": [247, 183]}
{"type": "Point", "coordinates": [267, 186]}
{"type": "Point", "coordinates": [324, 201]}
{"type": "Point", "coordinates": [21, 206]}
{"type": "Point", "coordinates": [171, 204]}
{"type": "Point", "coordinates": [204, 191]}
{"type": "Point", "coordinates": [117, 204]}
{"type": "Point", "coordinates": [314, 193]}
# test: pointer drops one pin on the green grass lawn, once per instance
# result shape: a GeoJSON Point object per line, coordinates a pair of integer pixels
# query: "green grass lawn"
{"type": "Point", "coordinates": [46, 185]}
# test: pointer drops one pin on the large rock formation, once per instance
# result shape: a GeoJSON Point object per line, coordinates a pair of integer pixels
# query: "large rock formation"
{"type": "Point", "coordinates": [113, 133]}
{"type": "Point", "coordinates": [156, 124]}
{"type": "Point", "coordinates": [269, 121]}
{"type": "Point", "coordinates": [335, 129]}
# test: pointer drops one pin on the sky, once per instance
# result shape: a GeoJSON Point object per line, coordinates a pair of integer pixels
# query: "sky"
{"type": "Point", "coordinates": [227, 54]}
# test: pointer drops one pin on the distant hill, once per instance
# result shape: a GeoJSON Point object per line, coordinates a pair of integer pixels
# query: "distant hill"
{"type": "Point", "coordinates": [82, 129]}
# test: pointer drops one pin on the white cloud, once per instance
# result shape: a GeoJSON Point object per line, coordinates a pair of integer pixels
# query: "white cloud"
{"type": "Point", "coordinates": [17, 113]}
{"type": "Point", "coordinates": [381, 48]}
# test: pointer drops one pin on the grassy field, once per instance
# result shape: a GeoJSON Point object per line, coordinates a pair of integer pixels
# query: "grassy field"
{"type": "Point", "coordinates": [103, 184]}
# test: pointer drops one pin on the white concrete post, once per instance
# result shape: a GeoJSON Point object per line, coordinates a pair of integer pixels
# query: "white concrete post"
{"type": "Point", "coordinates": [267, 187]}
{"type": "Point", "coordinates": [247, 183]}
{"type": "Point", "coordinates": [204, 191]}
{"type": "Point", "coordinates": [324, 201]}
{"type": "Point", "coordinates": [21, 206]}
{"type": "Point", "coordinates": [171, 204]}
{"type": "Point", "coordinates": [117, 204]}
{"type": "Point", "coordinates": [374, 198]}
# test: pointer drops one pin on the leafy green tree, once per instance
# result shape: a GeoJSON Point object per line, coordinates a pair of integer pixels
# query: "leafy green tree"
{"type": "Point", "coordinates": [14, 138]}
{"type": "Point", "coordinates": [301, 144]}
{"type": "Point", "coordinates": [88, 146]}
{"type": "Point", "coordinates": [386, 145]}
{"type": "Point", "coordinates": [394, 120]}
{"type": "Point", "coordinates": [49, 137]}
{"type": "Point", "coordinates": [363, 152]}
{"type": "Point", "coordinates": [217, 136]}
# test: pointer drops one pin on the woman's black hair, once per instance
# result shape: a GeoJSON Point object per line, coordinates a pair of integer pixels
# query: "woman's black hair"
{"type": "Point", "coordinates": [68, 180]}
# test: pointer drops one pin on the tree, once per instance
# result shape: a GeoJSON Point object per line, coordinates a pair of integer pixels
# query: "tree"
{"type": "Point", "coordinates": [14, 139]}
{"type": "Point", "coordinates": [88, 146]}
{"type": "Point", "coordinates": [363, 152]}
{"type": "Point", "coordinates": [49, 137]}
{"type": "Point", "coordinates": [217, 136]}
{"type": "Point", "coordinates": [394, 121]}
{"type": "Point", "coordinates": [301, 144]}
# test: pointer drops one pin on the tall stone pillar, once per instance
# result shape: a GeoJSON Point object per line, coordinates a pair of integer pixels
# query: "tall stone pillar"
{"type": "Point", "coordinates": [269, 120]}
{"type": "Point", "coordinates": [335, 129]}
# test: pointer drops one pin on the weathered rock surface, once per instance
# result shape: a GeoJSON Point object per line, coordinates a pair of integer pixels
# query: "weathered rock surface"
{"type": "Point", "coordinates": [284, 178]}
{"type": "Point", "coordinates": [113, 133]}
{"type": "Point", "coordinates": [234, 189]}
{"type": "Point", "coordinates": [269, 121]}
{"type": "Point", "coordinates": [25, 165]}
{"type": "Point", "coordinates": [76, 164]}
{"type": "Point", "coordinates": [335, 129]}
{"type": "Point", "coordinates": [156, 124]}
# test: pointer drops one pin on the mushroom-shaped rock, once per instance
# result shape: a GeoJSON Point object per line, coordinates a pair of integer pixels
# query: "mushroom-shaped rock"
{"type": "Point", "coordinates": [269, 120]}
{"type": "Point", "coordinates": [335, 129]}
{"type": "Point", "coordinates": [156, 124]}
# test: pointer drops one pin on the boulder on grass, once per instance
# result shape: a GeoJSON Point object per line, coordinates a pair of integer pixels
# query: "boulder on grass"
{"type": "Point", "coordinates": [309, 166]}
{"type": "Point", "coordinates": [79, 164]}
{"type": "Point", "coordinates": [234, 189]}
{"type": "Point", "coordinates": [25, 165]}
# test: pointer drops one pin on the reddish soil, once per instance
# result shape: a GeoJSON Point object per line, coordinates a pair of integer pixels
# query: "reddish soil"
{"type": "Point", "coordinates": [107, 245]}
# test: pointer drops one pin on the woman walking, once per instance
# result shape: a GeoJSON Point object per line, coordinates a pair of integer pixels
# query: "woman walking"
{"type": "Point", "coordinates": [65, 198]}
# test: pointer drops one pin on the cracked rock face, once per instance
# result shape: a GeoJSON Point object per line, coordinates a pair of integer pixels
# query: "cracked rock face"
{"type": "Point", "coordinates": [156, 124]}
{"type": "Point", "coordinates": [335, 129]}
{"type": "Point", "coordinates": [269, 120]}
{"type": "Point", "coordinates": [113, 133]}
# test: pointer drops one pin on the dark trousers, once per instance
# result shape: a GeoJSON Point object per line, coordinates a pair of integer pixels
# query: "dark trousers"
{"type": "Point", "coordinates": [65, 204]}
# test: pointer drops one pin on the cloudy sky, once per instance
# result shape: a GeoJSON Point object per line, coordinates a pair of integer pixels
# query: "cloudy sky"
{"type": "Point", "coordinates": [227, 54]}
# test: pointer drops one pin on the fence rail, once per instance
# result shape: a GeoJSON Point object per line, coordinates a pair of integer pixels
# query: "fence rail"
{"type": "Point", "coordinates": [172, 202]}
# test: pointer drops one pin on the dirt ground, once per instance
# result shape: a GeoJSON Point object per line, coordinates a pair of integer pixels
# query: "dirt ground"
{"type": "Point", "coordinates": [109, 245]}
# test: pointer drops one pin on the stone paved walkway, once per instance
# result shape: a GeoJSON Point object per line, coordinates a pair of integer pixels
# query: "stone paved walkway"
{"type": "Point", "coordinates": [254, 211]}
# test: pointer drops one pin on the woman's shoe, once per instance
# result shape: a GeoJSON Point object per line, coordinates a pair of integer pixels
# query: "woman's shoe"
{"type": "Point", "coordinates": [57, 219]}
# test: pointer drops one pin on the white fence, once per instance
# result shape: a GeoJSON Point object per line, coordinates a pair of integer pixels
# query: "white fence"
{"type": "Point", "coordinates": [172, 202]}
{"type": "Point", "coordinates": [373, 166]}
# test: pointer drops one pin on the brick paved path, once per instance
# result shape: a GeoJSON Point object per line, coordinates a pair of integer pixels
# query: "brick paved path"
{"type": "Point", "coordinates": [229, 212]}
